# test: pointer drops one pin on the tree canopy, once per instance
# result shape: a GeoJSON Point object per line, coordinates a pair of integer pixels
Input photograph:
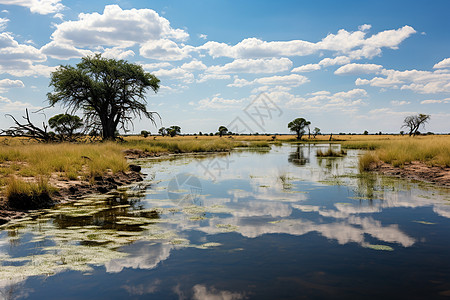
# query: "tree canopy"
{"type": "Point", "coordinates": [298, 126]}
{"type": "Point", "coordinates": [65, 124]}
{"type": "Point", "coordinates": [110, 92]}
{"type": "Point", "coordinates": [414, 122]}
{"type": "Point", "coordinates": [222, 130]}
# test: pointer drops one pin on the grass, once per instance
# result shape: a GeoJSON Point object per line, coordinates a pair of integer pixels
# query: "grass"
{"type": "Point", "coordinates": [28, 195]}
{"type": "Point", "coordinates": [432, 150]}
{"type": "Point", "coordinates": [330, 153]}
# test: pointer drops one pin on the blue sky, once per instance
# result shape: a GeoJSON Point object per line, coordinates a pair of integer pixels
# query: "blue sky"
{"type": "Point", "coordinates": [347, 66]}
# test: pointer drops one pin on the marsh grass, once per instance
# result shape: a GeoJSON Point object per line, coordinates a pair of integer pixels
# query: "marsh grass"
{"type": "Point", "coordinates": [432, 150]}
{"type": "Point", "coordinates": [330, 153]}
{"type": "Point", "coordinates": [26, 195]}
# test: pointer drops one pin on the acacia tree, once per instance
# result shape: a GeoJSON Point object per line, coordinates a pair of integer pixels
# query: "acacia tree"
{"type": "Point", "coordinates": [110, 92]}
{"type": "Point", "coordinates": [298, 126]}
{"type": "Point", "coordinates": [222, 130]}
{"type": "Point", "coordinates": [65, 125]}
{"type": "Point", "coordinates": [174, 130]}
{"type": "Point", "coordinates": [413, 123]}
{"type": "Point", "coordinates": [316, 131]}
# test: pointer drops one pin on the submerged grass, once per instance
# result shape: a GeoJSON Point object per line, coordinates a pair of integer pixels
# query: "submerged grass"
{"type": "Point", "coordinates": [330, 153]}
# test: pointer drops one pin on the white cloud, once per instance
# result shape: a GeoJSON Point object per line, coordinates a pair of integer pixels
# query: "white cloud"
{"type": "Point", "coordinates": [194, 65]}
{"type": "Point", "coordinates": [63, 51]}
{"type": "Point", "coordinates": [3, 23]}
{"type": "Point", "coordinates": [118, 28]}
{"type": "Point", "coordinates": [42, 7]}
{"type": "Point", "coordinates": [153, 66]}
{"type": "Point", "coordinates": [256, 48]}
{"type": "Point", "coordinates": [364, 27]}
{"type": "Point", "coordinates": [340, 60]}
{"type": "Point", "coordinates": [325, 101]}
{"type": "Point", "coordinates": [8, 83]}
{"type": "Point", "coordinates": [163, 50]}
{"type": "Point", "coordinates": [445, 63]}
{"type": "Point", "coordinates": [288, 80]}
{"type": "Point", "coordinates": [353, 69]}
{"type": "Point", "coordinates": [447, 100]}
{"type": "Point", "coordinates": [206, 77]}
{"type": "Point", "coordinates": [175, 73]}
{"type": "Point", "coordinates": [273, 65]}
{"type": "Point", "coordinates": [203, 36]}
{"type": "Point", "coordinates": [218, 103]}
{"type": "Point", "coordinates": [6, 105]}
{"type": "Point", "coordinates": [306, 68]}
{"type": "Point", "coordinates": [353, 44]}
{"type": "Point", "coordinates": [399, 103]}
{"type": "Point", "coordinates": [117, 53]}
{"type": "Point", "coordinates": [424, 82]}
{"type": "Point", "coordinates": [19, 59]}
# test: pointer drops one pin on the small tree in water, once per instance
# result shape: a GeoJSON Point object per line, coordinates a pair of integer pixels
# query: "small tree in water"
{"type": "Point", "coordinates": [110, 92]}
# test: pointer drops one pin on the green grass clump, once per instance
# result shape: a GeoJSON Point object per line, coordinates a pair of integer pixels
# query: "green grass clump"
{"type": "Point", "coordinates": [29, 195]}
{"type": "Point", "coordinates": [330, 153]}
{"type": "Point", "coordinates": [366, 161]}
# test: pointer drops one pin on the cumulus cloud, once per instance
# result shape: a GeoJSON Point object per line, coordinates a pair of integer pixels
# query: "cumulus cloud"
{"type": "Point", "coordinates": [194, 65]}
{"type": "Point", "coordinates": [206, 77]}
{"type": "Point", "coordinates": [430, 101]}
{"type": "Point", "coordinates": [19, 59]}
{"type": "Point", "coordinates": [306, 68]}
{"type": "Point", "coordinates": [399, 103]}
{"type": "Point", "coordinates": [352, 44]}
{"type": "Point", "coordinates": [340, 60]}
{"type": "Point", "coordinates": [273, 65]}
{"type": "Point", "coordinates": [288, 80]}
{"type": "Point", "coordinates": [364, 27]}
{"type": "Point", "coordinates": [122, 29]}
{"type": "Point", "coordinates": [353, 69]}
{"type": "Point", "coordinates": [424, 82]}
{"type": "Point", "coordinates": [347, 101]}
{"type": "Point", "coordinates": [42, 7]}
{"type": "Point", "coordinates": [175, 73]}
{"type": "Point", "coordinates": [7, 105]}
{"type": "Point", "coordinates": [163, 50]}
{"type": "Point", "coordinates": [445, 63]}
{"type": "Point", "coordinates": [63, 51]}
{"type": "Point", "coordinates": [217, 103]}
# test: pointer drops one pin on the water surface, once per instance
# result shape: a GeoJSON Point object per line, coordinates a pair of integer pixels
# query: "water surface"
{"type": "Point", "coordinates": [271, 224]}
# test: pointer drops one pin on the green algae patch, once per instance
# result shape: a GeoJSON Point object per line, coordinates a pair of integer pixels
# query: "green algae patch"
{"type": "Point", "coordinates": [227, 227]}
{"type": "Point", "coordinates": [424, 222]}
{"type": "Point", "coordinates": [379, 247]}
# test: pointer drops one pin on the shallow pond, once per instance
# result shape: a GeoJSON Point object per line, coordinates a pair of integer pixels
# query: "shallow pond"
{"type": "Point", "coordinates": [253, 224]}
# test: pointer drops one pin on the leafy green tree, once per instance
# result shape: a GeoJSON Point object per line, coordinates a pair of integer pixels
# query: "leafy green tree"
{"type": "Point", "coordinates": [413, 123]}
{"type": "Point", "coordinates": [222, 130]}
{"type": "Point", "coordinates": [316, 131]}
{"type": "Point", "coordinates": [298, 126]}
{"type": "Point", "coordinates": [162, 131]}
{"type": "Point", "coordinates": [110, 92]}
{"type": "Point", "coordinates": [65, 125]}
{"type": "Point", "coordinates": [145, 133]}
{"type": "Point", "coordinates": [366, 132]}
{"type": "Point", "coordinates": [174, 130]}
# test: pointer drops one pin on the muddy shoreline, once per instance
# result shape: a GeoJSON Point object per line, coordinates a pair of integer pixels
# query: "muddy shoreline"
{"type": "Point", "coordinates": [72, 190]}
{"type": "Point", "coordinates": [439, 176]}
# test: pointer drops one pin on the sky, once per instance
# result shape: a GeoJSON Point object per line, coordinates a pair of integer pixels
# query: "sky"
{"type": "Point", "coordinates": [253, 66]}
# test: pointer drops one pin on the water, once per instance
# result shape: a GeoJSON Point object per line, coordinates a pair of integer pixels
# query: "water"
{"type": "Point", "coordinates": [278, 224]}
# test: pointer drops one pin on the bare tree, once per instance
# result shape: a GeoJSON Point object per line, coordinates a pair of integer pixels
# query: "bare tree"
{"type": "Point", "coordinates": [29, 130]}
{"type": "Point", "coordinates": [413, 123]}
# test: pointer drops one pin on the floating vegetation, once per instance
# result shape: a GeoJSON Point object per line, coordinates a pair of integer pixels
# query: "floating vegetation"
{"type": "Point", "coordinates": [208, 245]}
{"type": "Point", "coordinates": [424, 222]}
{"type": "Point", "coordinates": [379, 247]}
{"type": "Point", "coordinates": [227, 227]}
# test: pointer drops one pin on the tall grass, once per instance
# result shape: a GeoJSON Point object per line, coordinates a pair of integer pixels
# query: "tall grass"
{"type": "Point", "coordinates": [432, 150]}
{"type": "Point", "coordinates": [28, 195]}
